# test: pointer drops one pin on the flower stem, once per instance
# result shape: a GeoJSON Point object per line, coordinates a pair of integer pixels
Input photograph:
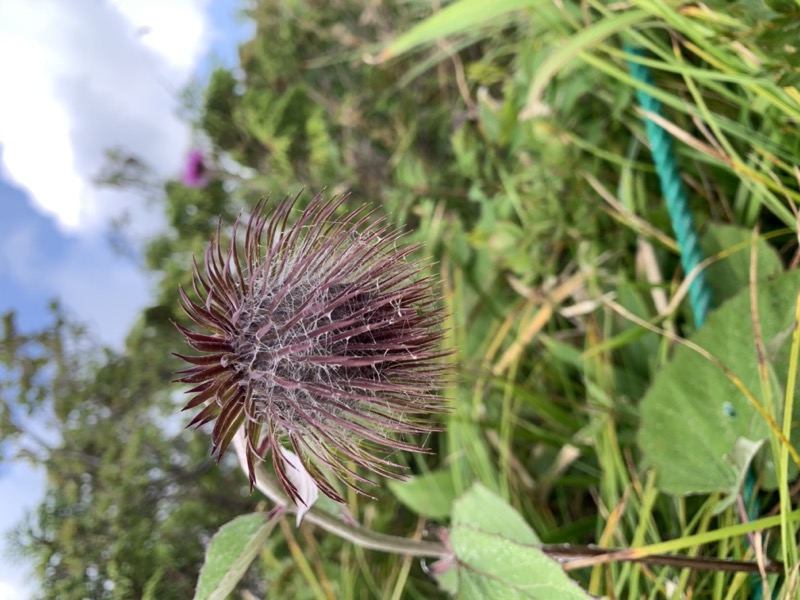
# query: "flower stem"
{"type": "Point", "coordinates": [359, 536]}
{"type": "Point", "coordinates": [571, 557]}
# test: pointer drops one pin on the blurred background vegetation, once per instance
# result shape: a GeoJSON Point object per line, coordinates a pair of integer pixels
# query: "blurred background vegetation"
{"type": "Point", "coordinates": [510, 143]}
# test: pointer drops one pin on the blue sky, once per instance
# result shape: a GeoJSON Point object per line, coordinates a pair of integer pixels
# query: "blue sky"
{"type": "Point", "coordinates": [95, 74]}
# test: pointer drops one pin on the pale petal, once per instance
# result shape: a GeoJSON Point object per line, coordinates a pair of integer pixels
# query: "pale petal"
{"type": "Point", "coordinates": [306, 486]}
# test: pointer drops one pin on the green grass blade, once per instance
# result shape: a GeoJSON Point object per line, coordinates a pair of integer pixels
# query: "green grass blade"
{"type": "Point", "coordinates": [455, 19]}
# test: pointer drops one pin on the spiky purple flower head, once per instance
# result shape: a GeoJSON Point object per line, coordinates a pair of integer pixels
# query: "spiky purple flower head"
{"type": "Point", "coordinates": [195, 172]}
{"type": "Point", "coordinates": [319, 335]}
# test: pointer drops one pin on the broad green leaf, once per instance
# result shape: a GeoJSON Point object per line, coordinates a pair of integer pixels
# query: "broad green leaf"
{"type": "Point", "coordinates": [457, 18]}
{"type": "Point", "coordinates": [430, 495]}
{"type": "Point", "coordinates": [496, 553]}
{"type": "Point", "coordinates": [744, 452]}
{"type": "Point", "coordinates": [480, 508]}
{"type": "Point", "coordinates": [697, 428]}
{"type": "Point", "coordinates": [492, 566]}
{"type": "Point", "coordinates": [230, 553]}
{"type": "Point", "coordinates": [732, 274]}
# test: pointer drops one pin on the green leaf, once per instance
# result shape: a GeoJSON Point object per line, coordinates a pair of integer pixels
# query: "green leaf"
{"type": "Point", "coordinates": [697, 428]}
{"type": "Point", "coordinates": [496, 553]}
{"type": "Point", "coordinates": [230, 553]}
{"type": "Point", "coordinates": [430, 495]}
{"type": "Point", "coordinates": [495, 567]}
{"type": "Point", "coordinates": [480, 508]}
{"type": "Point", "coordinates": [744, 451]}
{"type": "Point", "coordinates": [732, 274]}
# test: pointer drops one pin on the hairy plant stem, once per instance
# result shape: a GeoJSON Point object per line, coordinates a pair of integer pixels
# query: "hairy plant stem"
{"type": "Point", "coordinates": [364, 538]}
{"type": "Point", "coordinates": [570, 557]}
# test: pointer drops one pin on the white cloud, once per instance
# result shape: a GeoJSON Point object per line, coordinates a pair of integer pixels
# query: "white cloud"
{"type": "Point", "coordinates": [84, 76]}
{"type": "Point", "coordinates": [10, 591]}
{"type": "Point", "coordinates": [176, 31]}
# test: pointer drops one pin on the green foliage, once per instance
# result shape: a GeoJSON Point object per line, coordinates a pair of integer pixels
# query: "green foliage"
{"type": "Point", "coordinates": [31, 362]}
{"type": "Point", "coordinates": [128, 505]}
{"type": "Point", "coordinates": [456, 18]}
{"type": "Point", "coordinates": [217, 118]}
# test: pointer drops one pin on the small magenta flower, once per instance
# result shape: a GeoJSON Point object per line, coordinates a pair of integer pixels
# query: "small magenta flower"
{"type": "Point", "coordinates": [195, 173]}
{"type": "Point", "coordinates": [319, 335]}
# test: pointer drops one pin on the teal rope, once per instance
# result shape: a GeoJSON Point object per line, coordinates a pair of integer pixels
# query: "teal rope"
{"type": "Point", "coordinates": [673, 191]}
{"type": "Point", "coordinates": [683, 226]}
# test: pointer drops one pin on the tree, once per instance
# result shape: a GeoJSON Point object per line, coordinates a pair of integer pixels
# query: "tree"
{"type": "Point", "coordinates": [129, 504]}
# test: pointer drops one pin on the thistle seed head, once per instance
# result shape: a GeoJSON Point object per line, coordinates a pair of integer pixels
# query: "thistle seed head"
{"type": "Point", "coordinates": [320, 335]}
